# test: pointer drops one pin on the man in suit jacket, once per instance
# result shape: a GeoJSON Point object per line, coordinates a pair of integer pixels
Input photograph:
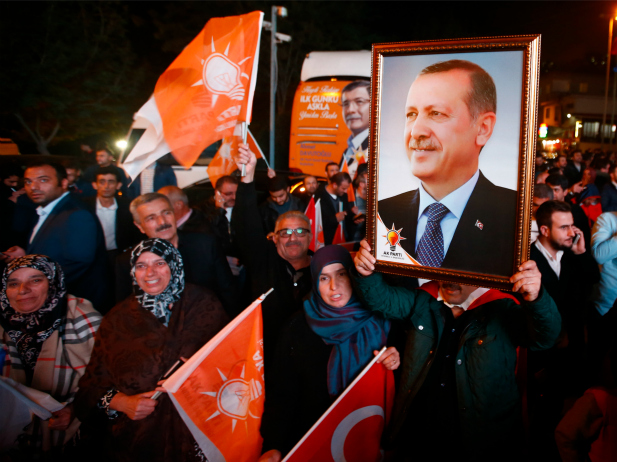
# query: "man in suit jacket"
{"type": "Point", "coordinates": [334, 206]}
{"type": "Point", "coordinates": [67, 233]}
{"type": "Point", "coordinates": [457, 217]}
{"type": "Point", "coordinates": [356, 102]}
{"type": "Point", "coordinates": [204, 263]}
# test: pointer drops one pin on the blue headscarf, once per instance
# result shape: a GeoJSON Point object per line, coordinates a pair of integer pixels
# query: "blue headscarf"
{"type": "Point", "coordinates": [353, 330]}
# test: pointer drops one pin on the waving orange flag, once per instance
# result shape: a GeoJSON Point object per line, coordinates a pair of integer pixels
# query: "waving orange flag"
{"type": "Point", "coordinates": [209, 87]}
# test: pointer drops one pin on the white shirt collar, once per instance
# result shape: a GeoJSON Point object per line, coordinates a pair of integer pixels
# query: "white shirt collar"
{"type": "Point", "coordinates": [554, 263]}
{"type": "Point", "coordinates": [49, 207]}
{"type": "Point", "coordinates": [467, 303]}
{"type": "Point", "coordinates": [359, 138]}
{"type": "Point", "coordinates": [100, 206]}
{"type": "Point", "coordinates": [183, 220]}
{"type": "Point", "coordinates": [455, 201]}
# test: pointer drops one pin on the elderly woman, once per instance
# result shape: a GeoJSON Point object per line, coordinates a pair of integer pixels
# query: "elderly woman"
{"type": "Point", "coordinates": [46, 337]}
{"type": "Point", "coordinates": [320, 352]}
{"type": "Point", "coordinates": [139, 340]}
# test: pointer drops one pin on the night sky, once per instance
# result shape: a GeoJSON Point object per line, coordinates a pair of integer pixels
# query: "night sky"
{"type": "Point", "coordinates": [574, 38]}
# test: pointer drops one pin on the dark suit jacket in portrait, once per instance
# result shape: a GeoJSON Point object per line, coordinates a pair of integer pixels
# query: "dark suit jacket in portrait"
{"type": "Point", "coordinates": [483, 241]}
{"type": "Point", "coordinates": [204, 265]}
{"type": "Point", "coordinates": [73, 237]}
{"type": "Point", "coordinates": [127, 234]}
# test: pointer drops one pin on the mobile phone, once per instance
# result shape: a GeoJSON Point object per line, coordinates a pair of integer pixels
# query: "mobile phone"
{"type": "Point", "coordinates": [576, 238]}
{"type": "Point", "coordinates": [177, 365]}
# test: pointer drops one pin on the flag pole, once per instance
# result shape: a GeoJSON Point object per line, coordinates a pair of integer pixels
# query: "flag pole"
{"type": "Point", "coordinates": [244, 129]}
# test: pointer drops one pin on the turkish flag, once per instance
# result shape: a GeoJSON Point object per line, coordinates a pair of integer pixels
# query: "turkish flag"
{"type": "Point", "coordinates": [313, 212]}
{"type": "Point", "coordinates": [209, 87]}
{"type": "Point", "coordinates": [351, 195]}
{"type": "Point", "coordinates": [219, 392]}
{"type": "Point", "coordinates": [351, 429]}
{"type": "Point", "coordinates": [223, 161]}
{"type": "Point", "coordinates": [339, 235]}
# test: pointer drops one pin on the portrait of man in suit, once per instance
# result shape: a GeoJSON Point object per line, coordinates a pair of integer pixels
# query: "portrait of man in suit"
{"type": "Point", "coordinates": [456, 219]}
{"type": "Point", "coordinates": [356, 102]}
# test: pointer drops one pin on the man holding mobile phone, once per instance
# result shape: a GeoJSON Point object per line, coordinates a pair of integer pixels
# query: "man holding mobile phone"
{"type": "Point", "coordinates": [568, 274]}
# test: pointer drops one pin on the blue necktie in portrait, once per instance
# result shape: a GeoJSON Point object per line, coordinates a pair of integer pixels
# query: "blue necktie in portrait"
{"type": "Point", "coordinates": [430, 248]}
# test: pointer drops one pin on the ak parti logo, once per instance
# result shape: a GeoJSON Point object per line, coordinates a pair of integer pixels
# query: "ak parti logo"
{"type": "Point", "coordinates": [393, 236]}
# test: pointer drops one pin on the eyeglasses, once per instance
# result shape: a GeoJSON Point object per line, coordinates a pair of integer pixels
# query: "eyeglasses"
{"type": "Point", "coordinates": [287, 232]}
{"type": "Point", "coordinates": [359, 102]}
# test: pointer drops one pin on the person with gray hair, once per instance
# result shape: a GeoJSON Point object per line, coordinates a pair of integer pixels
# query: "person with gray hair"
{"type": "Point", "coordinates": [188, 219]}
{"type": "Point", "coordinates": [456, 215]}
{"type": "Point", "coordinates": [204, 262]}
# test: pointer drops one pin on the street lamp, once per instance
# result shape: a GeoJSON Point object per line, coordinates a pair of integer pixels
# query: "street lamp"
{"type": "Point", "coordinates": [608, 76]}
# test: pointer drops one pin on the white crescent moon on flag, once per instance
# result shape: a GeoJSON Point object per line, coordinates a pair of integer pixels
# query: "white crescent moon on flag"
{"type": "Point", "coordinates": [339, 436]}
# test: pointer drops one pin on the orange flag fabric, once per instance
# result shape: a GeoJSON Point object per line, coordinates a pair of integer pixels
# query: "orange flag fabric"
{"type": "Point", "coordinates": [219, 392]}
{"type": "Point", "coordinates": [209, 87]}
{"type": "Point", "coordinates": [223, 161]}
{"type": "Point", "coordinates": [351, 429]}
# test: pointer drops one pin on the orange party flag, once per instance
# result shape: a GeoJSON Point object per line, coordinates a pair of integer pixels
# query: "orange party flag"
{"type": "Point", "coordinates": [209, 87]}
{"type": "Point", "coordinates": [219, 392]}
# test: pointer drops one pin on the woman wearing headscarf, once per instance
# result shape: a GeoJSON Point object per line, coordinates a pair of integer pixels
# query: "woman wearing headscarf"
{"type": "Point", "coordinates": [139, 340]}
{"type": "Point", "coordinates": [46, 338]}
{"type": "Point", "coordinates": [319, 353]}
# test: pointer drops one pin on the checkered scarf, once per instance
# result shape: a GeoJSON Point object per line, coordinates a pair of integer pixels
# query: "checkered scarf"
{"type": "Point", "coordinates": [28, 331]}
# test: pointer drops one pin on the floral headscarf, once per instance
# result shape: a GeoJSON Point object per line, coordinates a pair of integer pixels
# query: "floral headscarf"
{"type": "Point", "coordinates": [30, 330]}
{"type": "Point", "coordinates": [159, 304]}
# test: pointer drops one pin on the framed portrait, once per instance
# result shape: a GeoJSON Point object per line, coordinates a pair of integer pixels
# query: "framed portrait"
{"type": "Point", "coordinates": [452, 144]}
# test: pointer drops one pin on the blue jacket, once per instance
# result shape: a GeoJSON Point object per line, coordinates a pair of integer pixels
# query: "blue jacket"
{"type": "Point", "coordinates": [73, 237]}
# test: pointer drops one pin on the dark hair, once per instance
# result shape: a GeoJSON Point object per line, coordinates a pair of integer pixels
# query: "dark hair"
{"type": "Point", "coordinates": [554, 171]}
{"type": "Point", "coordinates": [482, 96]}
{"type": "Point", "coordinates": [541, 169]}
{"type": "Point", "coordinates": [103, 146]}
{"type": "Point", "coordinates": [357, 84]}
{"type": "Point", "coordinates": [329, 164]}
{"type": "Point", "coordinates": [107, 171]}
{"type": "Point", "coordinates": [340, 177]}
{"type": "Point", "coordinates": [11, 170]}
{"type": "Point", "coordinates": [225, 179]}
{"type": "Point", "coordinates": [277, 183]}
{"type": "Point", "coordinates": [561, 155]}
{"type": "Point", "coordinates": [60, 170]}
{"type": "Point", "coordinates": [544, 214]}
{"type": "Point", "coordinates": [542, 191]}
{"type": "Point", "coordinates": [556, 179]}
{"type": "Point", "coordinates": [362, 169]}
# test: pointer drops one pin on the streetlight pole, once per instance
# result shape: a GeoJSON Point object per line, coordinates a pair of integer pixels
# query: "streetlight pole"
{"type": "Point", "coordinates": [608, 76]}
{"type": "Point", "coordinates": [275, 11]}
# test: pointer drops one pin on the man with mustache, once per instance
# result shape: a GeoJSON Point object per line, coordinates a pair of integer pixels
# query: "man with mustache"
{"type": "Point", "coordinates": [204, 262]}
{"type": "Point", "coordinates": [282, 263]}
{"type": "Point", "coordinates": [458, 397]}
{"type": "Point", "coordinates": [457, 217]}
{"type": "Point", "coordinates": [356, 102]}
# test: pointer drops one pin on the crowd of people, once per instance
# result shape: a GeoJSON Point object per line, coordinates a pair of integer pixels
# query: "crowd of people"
{"type": "Point", "coordinates": [106, 284]}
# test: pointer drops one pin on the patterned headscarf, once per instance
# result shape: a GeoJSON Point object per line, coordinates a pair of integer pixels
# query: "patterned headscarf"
{"type": "Point", "coordinates": [158, 305]}
{"type": "Point", "coordinates": [30, 330]}
{"type": "Point", "coordinates": [353, 331]}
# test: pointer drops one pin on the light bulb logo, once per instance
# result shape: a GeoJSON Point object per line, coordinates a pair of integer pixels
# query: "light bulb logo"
{"type": "Point", "coordinates": [394, 237]}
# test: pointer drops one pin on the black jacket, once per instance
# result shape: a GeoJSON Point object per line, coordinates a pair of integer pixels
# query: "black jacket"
{"type": "Point", "coordinates": [265, 268]}
{"type": "Point", "coordinates": [328, 215]}
{"type": "Point", "coordinates": [127, 234]}
{"type": "Point", "coordinates": [269, 214]}
{"type": "Point", "coordinates": [484, 238]}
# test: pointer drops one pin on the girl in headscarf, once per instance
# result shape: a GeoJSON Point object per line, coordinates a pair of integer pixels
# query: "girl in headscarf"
{"type": "Point", "coordinates": [139, 340]}
{"type": "Point", "coordinates": [46, 338]}
{"type": "Point", "coordinates": [320, 352]}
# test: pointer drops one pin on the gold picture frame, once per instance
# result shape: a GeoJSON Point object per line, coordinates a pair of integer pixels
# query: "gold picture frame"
{"type": "Point", "coordinates": [418, 127]}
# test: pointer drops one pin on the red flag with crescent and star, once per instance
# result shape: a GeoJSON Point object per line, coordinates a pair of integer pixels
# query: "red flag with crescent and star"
{"type": "Point", "coordinates": [351, 429]}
